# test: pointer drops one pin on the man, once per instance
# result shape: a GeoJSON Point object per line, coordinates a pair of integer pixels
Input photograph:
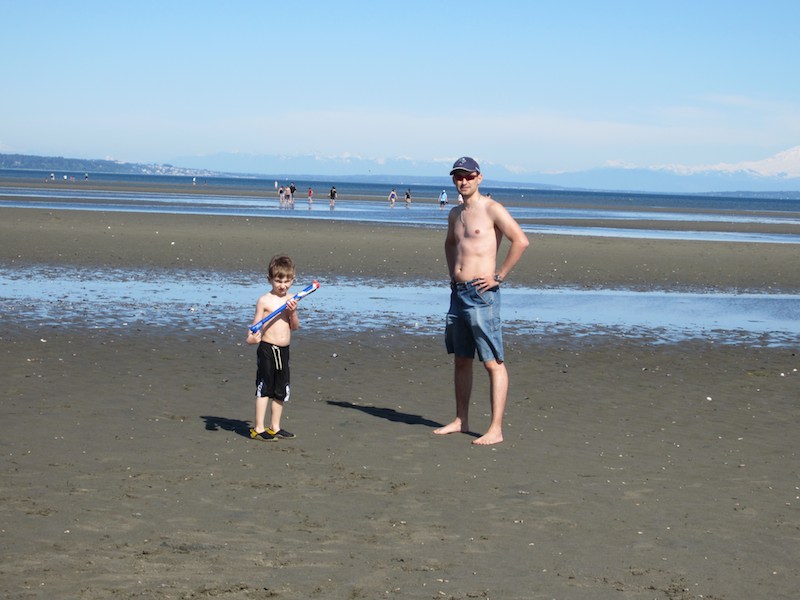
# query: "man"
{"type": "Point", "coordinates": [474, 232]}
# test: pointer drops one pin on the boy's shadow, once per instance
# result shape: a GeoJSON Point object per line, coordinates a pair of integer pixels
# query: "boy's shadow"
{"type": "Point", "coordinates": [242, 428]}
{"type": "Point", "coordinates": [236, 425]}
{"type": "Point", "coordinates": [389, 414]}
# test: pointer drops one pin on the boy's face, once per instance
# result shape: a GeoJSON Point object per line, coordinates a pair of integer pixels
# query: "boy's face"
{"type": "Point", "coordinates": [281, 284]}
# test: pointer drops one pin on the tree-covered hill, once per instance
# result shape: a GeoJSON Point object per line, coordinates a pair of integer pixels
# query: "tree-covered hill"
{"type": "Point", "coordinates": [83, 165]}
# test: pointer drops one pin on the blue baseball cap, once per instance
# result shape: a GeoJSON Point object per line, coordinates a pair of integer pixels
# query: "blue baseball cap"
{"type": "Point", "coordinates": [465, 163]}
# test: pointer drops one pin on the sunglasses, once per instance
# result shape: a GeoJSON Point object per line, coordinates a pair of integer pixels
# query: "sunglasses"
{"type": "Point", "coordinates": [468, 176]}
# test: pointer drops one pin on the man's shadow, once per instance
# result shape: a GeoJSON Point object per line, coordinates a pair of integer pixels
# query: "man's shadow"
{"type": "Point", "coordinates": [389, 414]}
{"type": "Point", "coordinates": [236, 425]}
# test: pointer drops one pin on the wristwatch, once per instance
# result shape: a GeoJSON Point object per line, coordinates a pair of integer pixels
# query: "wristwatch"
{"type": "Point", "coordinates": [497, 278]}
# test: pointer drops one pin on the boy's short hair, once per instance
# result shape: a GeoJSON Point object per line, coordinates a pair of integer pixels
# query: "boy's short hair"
{"type": "Point", "coordinates": [281, 266]}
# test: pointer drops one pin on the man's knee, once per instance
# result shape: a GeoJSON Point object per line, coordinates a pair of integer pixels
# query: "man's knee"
{"type": "Point", "coordinates": [494, 365]}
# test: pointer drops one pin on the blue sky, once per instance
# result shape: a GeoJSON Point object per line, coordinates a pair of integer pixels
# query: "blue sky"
{"type": "Point", "coordinates": [533, 86]}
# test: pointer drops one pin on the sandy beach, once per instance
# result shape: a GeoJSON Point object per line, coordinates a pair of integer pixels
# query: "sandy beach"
{"type": "Point", "coordinates": [628, 470]}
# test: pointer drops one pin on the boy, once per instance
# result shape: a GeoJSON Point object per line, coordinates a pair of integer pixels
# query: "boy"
{"type": "Point", "coordinates": [272, 358]}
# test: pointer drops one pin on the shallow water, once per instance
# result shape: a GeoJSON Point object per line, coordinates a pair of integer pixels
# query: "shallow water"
{"type": "Point", "coordinates": [419, 214]}
{"type": "Point", "coordinates": [43, 297]}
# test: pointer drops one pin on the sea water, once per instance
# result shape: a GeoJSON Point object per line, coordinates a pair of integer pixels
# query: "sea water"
{"type": "Point", "coordinates": [116, 299]}
{"type": "Point", "coordinates": [538, 211]}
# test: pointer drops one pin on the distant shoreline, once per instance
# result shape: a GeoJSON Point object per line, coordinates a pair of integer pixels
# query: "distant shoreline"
{"type": "Point", "coordinates": [615, 179]}
{"type": "Point", "coordinates": [355, 190]}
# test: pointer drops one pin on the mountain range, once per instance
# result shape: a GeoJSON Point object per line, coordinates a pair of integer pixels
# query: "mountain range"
{"type": "Point", "coordinates": [779, 173]}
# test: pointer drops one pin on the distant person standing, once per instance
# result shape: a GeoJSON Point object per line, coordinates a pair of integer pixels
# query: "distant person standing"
{"type": "Point", "coordinates": [288, 195]}
{"type": "Point", "coordinates": [392, 198]}
{"type": "Point", "coordinates": [310, 198]}
{"type": "Point", "coordinates": [442, 199]}
{"type": "Point", "coordinates": [332, 195]}
{"type": "Point", "coordinates": [408, 198]}
{"type": "Point", "coordinates": [475, 230]}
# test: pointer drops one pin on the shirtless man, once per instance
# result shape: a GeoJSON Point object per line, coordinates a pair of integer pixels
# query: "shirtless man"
{"type": "Point", "coordinates": [474, 232]}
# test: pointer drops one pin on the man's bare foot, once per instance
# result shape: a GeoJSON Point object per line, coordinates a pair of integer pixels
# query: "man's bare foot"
{"type": "Point", "coordinates": [455, 427]}
{"type": "Point", "coordinates": [489, 438]}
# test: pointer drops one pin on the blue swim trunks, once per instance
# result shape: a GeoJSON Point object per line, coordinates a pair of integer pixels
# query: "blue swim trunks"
{"type": "Point", "coordinates": [473, 323]}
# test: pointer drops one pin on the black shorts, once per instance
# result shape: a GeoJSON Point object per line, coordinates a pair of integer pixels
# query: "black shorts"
{"type": "Point", "coordinates": [272, 377]}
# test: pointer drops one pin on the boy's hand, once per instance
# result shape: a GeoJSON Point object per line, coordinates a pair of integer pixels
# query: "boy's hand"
{"type": "Point", "coordinates": [253, 338]}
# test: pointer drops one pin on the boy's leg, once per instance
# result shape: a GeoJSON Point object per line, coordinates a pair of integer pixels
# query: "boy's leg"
{"type": "Point", "coordinates": [276, 411]}
{"type": "Point", "coordinates": [258, 431]}
{"type": "Point", "coordinates": [261, 413]}
{"type": "Point", "coordinates": [275, 421]}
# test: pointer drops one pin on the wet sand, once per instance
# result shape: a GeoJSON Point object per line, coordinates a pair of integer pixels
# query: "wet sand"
{"type": "Point", "coordinates": [241, 244]}
{"type": "Point", "coordinates": [628, 470]}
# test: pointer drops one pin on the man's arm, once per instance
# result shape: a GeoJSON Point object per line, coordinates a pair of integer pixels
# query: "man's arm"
{"type": "Point", "coordinates": [450, 244]}
{"type": "Point", "coordinates": [506, 224]}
